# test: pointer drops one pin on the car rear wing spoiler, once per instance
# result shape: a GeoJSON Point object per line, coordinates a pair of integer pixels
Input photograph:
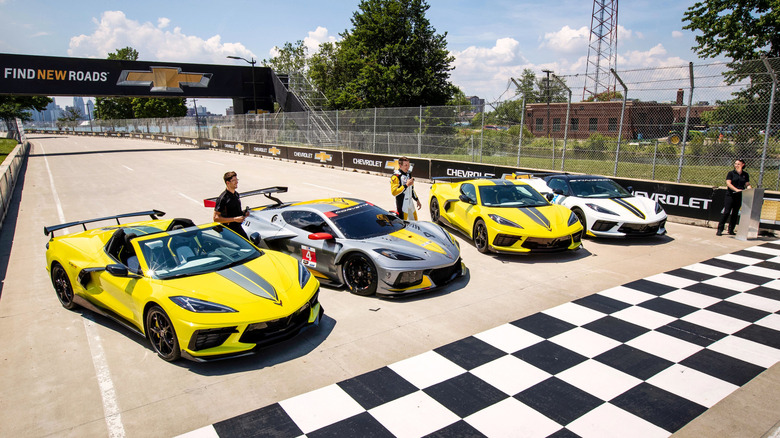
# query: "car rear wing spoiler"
{"type": "Point", "coordinates": [155, 214]}
{"type": "Point", "coordinates": [267, 192]}
{"type": "Point", "coordinates": [529, 175]}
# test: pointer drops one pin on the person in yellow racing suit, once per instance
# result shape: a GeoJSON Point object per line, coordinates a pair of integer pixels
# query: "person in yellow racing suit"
{"type": "Point", "coordinates": [402, 187]}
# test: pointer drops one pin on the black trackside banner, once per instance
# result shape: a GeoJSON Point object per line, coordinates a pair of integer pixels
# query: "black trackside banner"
{"type": "Point", "coordinates": [456, 169]}
{"type": "Point", "coordinates": [57, 76]}
{"type": "Point", "coordinates": [266, 150]}
{"type": "Point", "coordinates": [420, 167]}
{"type": "Point", "coordinates": [699, 202]}
{"type": "Point", "coordinates": [319, 156]}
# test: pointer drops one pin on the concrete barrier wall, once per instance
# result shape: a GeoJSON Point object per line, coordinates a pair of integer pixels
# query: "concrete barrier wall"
{"type": "Point", "coordinates": [9, 173]}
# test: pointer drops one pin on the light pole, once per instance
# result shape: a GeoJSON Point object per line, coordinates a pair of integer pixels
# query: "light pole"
{"type": "Point", "coordinates": [254, 94]}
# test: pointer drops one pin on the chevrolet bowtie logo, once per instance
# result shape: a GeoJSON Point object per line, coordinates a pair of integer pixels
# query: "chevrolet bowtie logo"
{"type": "Point", "coordinates": [274, 151]}
{"type": "Point", "coordinates": [323, 157]}
{"type": "Point", "coordinates": [164, 79]}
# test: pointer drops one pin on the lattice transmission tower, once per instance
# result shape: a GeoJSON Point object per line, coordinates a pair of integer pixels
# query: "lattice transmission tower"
{"type": "Point", "coordinates": [602, 48]}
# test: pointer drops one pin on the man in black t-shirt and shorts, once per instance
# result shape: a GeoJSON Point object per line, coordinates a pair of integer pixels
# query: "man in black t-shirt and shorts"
{"type": "Point", "coordinates": [227, 210]}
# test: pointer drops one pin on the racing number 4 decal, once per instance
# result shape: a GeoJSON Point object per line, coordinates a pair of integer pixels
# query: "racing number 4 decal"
{"type": "Point", "coordinates": [308, 256]}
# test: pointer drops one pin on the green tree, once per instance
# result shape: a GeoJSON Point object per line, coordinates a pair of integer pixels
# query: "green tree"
{"type": "Point", "coordinates": [527, 86]}
{"type": "Point", "coordinates": [290, 58]}
{"type": "Point", "coordinates": [392, 57]}
{"type": "Point", "coordinates": [13, 107]}
{"type": "Point", "coordinates": [743, 30]}
{"type": "Point", "coordinates": [70, 118]}
{"type": "Point", "coordinates": [739, 29]}
{"type": "Point", "coordinates": [149, 108]}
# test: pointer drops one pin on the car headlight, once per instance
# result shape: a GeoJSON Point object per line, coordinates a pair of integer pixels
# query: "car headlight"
{"type": "Point", "coordinates": [601, 209]}
{"type": "Point", "coordinates": [502, 221]}
{"type": "Point", "coordinates": [303, 274]}
{"type": "Point", "coordinates": [658, 208]}
{"type": "Point", "coordinates": [573, 219]}
{"type": "Point", "coordinates": [200, 306]}
{"type": "Point", "coordinates": [395, 255]}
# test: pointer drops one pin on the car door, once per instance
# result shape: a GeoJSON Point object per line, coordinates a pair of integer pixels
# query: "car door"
{"type": "Point", "coordinates": [466, 212]}
{"type": "Point", "coordinates": [318, 254]}
{"type": "Point", "coordinates": [121, 294]}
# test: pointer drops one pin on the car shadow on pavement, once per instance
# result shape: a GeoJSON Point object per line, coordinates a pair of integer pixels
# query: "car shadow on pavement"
{"type": "Point", "coordinates": [632, 241]}
{"type": "Point", "coordinates": [266, 357]}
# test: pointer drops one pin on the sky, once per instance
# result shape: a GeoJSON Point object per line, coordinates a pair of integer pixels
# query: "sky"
{"type": "Point", "coordinates": [491, 40]}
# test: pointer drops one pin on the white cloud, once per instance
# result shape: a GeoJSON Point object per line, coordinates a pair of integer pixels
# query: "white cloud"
{"type": "Point", "coordinates": [114, 31]}
{"type": "Point", "coordinates": [485, 71]}
{"type": "Point", "coordinates": [567, 40]}
{"type": "Point", "coordinates": [677, 34]}
{"type": "Point", "coordinates": [316, 38]}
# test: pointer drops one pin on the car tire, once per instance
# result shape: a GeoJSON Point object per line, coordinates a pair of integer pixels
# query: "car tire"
{"type": "Point", "coordinates": [161, 334]}
{"type": "Point", "coordinates": [481, 236]}
{"type": "Point", "coordinates": [581, 217]}
{"type": "Point", "coordinates": [62, 286]}
{"type": "Point", "coordinates": [435, 212]}
{"type": "Point", "coordinates": [360, 275]}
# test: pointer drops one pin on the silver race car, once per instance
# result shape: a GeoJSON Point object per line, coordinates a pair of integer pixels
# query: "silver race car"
{"type": "Point", "coordinates": [349, 242]}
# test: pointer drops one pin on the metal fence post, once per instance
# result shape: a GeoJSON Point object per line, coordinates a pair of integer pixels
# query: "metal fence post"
{"type": "Point", "coordinates": [522, 126]}
{"type": "Point", "coordinates": [566, 121]}
{"type": "Point", "coordinates": [338, 139]}
{"type": "Point", "coordinates": [419, 136]}
{"type": "Point", "coordinates": [687, 119]}
{"type": "Point", "coordinates": [768, 117]}
{"type": "Point", "coordinates": [655, 157]}
{"type": "Point", "coordinates": [622, 113]}
{"type": "Point", "coordinates": [374, 144]}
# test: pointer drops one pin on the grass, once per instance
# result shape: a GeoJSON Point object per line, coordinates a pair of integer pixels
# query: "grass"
{"type": "Point", "coordinates": [6, 147]}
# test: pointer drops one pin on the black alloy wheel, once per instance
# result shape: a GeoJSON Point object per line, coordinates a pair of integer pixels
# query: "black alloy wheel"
{"type": "Point", "coordinates": [434, 207]}
{"type": "Point", "coordinates": [161, 334]}
{"type": "Point", "coordinates": [481, 236]}
{"type": "Point", "coordinates": [62, 286]}
{"type": "Point", "coordinates": [581, 217]}
{"type": "Point", "coordinates": [360, 275]}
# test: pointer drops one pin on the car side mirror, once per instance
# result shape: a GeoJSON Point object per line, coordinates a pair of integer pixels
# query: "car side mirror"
{"type": "Point", "coordinates": [320, 236]}
{"type": "Point", "coordinates": [630, 189]}
{"type": "Point", "coordinates": [118, 270]}
{"type": "Point", "coordinates": [255, 238]}
{"type": "Point", "coordinates": [549, 196]}
{"type": "Point", "coordinates": [466, 199]}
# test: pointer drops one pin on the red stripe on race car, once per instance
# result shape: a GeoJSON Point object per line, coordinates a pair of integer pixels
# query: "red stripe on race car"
{"type": "Point", "coordinates": [209, 203]}
{"type": "Point", "coordinates": [330, 214]}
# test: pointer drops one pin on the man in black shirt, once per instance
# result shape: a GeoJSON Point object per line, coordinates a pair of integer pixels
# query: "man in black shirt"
{"type": "Point", "coordinates": [737, 180]}
{"type": "Point", "coordinates": [227, 210]}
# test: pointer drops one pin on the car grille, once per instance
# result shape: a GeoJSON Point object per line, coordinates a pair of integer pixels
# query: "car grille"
{"type": "Point", "coordinates": [443, 275]}
{"type": "Point", "coordinates": [602, 225]}
{"type": "Point", "coordinates": [547, 245]}
{"type": "Point", "coordinates": [505, 240]}
{"type": "Point", "coordinates": [641, 229]}
{"type": "Point", "coordinates": [210, 338]}
{"type": "Point", "coordinates": [275, 330]}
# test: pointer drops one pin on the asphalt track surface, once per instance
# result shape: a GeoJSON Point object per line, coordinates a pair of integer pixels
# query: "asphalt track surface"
{"type": "Point", "coordinates": [72, 373]}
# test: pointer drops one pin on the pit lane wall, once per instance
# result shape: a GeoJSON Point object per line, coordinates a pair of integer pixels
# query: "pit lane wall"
{"type": "Point", "coordinates": [698, 204]}
{"type": "Point", "coordinates": [9, 173]}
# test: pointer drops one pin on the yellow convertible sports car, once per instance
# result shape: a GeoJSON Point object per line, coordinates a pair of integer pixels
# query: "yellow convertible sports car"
{"type": "Point", "coordinates": [505, 216]}
{"type": "Point", "coordinates": [199, 292]}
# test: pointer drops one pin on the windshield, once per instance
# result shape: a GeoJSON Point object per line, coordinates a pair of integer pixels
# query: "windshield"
{"type": "Point", "coordinates": [598, 188]}
{"type": "Point", "coordinates": [364, 221]}
{"type": "Point", "coordinates": [514, 195]}
{"type": "Point", "coordinates": [194, 251]}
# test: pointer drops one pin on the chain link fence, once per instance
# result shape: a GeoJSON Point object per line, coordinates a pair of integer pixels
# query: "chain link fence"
{"type": "Point", "coordinates": [681, 123]}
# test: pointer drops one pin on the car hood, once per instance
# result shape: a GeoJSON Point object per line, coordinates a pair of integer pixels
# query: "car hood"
{"type": "Point", "coordinates": [632, 208]}
{"type": "Point", "coordinates": [269, 279]}
{"type": "Point", "coordinates": [545, 218]}
{"type": "Point", "coordinates": [417, 239]}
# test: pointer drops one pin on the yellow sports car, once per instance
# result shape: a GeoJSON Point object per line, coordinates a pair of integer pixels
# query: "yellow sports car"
{"type": "Point", "coordinates": [199, 292]}
{"type": "Point", "coordinates": [505, 216]}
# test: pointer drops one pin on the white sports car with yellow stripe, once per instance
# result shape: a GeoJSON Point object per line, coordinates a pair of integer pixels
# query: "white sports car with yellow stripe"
{"type": "Point", "coordinates": [605, 208]}
{"type": "Point", "coordinates": [345, 241]}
